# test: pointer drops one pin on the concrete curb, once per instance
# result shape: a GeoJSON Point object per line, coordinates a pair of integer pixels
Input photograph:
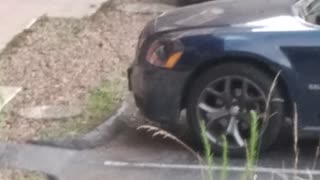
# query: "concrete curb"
{"type": "Point", "coordinates": [98, 137]}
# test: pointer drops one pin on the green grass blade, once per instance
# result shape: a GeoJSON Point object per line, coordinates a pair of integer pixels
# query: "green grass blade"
{"type": "Point", "coordinates": [207, 149]}
{"type": "Point", "coordinates": [252, 150]}
{"type": "Point", "coordinates": [224, 173]}
{"type": "Point", "coordinates": [254, 138]}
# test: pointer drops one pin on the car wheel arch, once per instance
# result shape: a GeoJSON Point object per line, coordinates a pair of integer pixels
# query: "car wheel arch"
{"type": "Point", "coordinates": [253, 61]}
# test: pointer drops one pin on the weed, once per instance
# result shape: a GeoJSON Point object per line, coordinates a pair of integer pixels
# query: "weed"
{"type": "Point", "coordinates": [316, 156]}
{"type": "Point", "coordinates": [99, 104]}
{"type": "Point", "coordinates": [207, 150]}
{"type": "Point", "coordinates": [254, 137]}
{"type": "Point", "coordinates": [165, 134]}
{"type": "Point", "coordinates": [295, 134]}
{"type": "Point", "coordinates": [252, 152]}
{"type": "Point", "coordinates": [101, 99]}
{"type": "Point", "coordinates": [224, 173]}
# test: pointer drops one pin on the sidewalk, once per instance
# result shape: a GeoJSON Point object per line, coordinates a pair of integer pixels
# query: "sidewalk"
{"type": "Point", "coordinates": [16, 15]}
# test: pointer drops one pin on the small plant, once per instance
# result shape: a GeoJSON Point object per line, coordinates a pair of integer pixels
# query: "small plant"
{"type": "Point", "coordinates": [316, 156]}
{"type": "Point", "coordinates": [102, 99]}
{"type": "Point", "coordinates": [224, 173]}
{"type": "Point", "coordinates": [295, 134]}
{"type": "Point", "coordinates": [100, 102]}
{"type": "Point", "coordinates": [252, 150]}
{"type": "Point", "coordinates": [165, 134]}
{"type": "Point", "coordinates": [207, 150]}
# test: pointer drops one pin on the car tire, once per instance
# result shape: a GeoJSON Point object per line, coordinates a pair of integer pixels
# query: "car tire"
{"type": "Point", "coordinates": [248, 73]}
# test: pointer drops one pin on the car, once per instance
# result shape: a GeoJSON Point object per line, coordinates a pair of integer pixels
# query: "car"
{"type": "Point", "coordinates": [223, 61]}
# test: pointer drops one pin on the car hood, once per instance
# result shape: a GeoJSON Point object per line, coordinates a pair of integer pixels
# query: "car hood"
{"type": "Point", "coordinates": [223, 13]}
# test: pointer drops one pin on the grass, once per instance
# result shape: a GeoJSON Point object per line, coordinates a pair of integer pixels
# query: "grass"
{"type": "Point", "coordinates": [252, 150]}
{"type": "Point", "coordinates": [21, 175]}
{"type": "Point", "coordinates": [316, 155]}
{"type": "Point", "coordinates": [100, 103]}
{"type": "Point", "coordinates": [156, 131]}
{"type": "Point", "coordinates": [295, 134]}
{"type": "Point", "coordinates": [103, 99]}
{"type": "Point", "coordinates": [224, 173]}
{"type": "Point", "coordinates": [207, 149]}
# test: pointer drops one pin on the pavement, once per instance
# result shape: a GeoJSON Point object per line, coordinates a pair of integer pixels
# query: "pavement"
{"type": "Point", "coordinates": [17, 15]}
{"type": "Point", "coordinates": [134, 154]}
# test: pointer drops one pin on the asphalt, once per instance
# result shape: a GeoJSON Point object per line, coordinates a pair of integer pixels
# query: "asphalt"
{"type": "Point", "coordinates": [134, 154]}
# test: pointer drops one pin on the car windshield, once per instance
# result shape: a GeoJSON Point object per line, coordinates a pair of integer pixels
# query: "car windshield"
{"type": "Point", "coordinates": [309, 10]}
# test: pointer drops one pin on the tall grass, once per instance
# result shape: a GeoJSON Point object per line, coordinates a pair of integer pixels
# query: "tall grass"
{"type": "Point", "coordinates": [295, 134]}
{"type": "Point", "coordinates": [165, 134]}
{"type": "Point", "coordinates": [156, 131]}
{"type": "Point", "coordinates": [252, 149]}
{"type": "Point", "coordinates": [254, 138]}
{"type": "Point", "coordinates": [225, 161]}
{"type": "Point", "coordinates": [316, 156]}
{"type": "Point", "coordinates": [207, 150]}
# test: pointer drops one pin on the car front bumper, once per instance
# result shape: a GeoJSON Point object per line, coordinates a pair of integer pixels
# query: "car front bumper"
{"type": "Point", "coordinates": [158, 92]}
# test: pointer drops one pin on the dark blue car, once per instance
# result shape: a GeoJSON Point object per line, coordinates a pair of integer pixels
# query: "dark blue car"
{"type": "Point", "coordinates": [222, 60]}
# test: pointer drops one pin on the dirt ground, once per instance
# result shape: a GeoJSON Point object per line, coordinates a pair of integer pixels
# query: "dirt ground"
{"type": "Point", "coordinates": [60, 61]}
{"type": "Point", "coordinates": [74, 62]}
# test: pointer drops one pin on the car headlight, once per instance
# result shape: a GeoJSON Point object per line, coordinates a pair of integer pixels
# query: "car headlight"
{"type": "Point", "coordinates": [165, 52]}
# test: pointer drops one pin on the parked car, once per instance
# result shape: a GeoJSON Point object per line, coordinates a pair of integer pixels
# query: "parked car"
{"type": "Point", "coordinates": [219, 60]}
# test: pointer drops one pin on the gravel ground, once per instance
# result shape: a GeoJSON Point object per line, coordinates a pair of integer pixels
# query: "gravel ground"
{"type": "Point", "coordinates": [60, 62]}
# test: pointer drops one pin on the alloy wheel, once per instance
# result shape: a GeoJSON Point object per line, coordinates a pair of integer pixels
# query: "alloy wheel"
{"type": "Point", "coordinates": [225, 106]}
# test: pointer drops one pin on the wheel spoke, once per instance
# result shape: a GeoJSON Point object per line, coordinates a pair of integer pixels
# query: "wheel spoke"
{"type": "Point", "coordinates": [245, 86]}
{"type": "Point", "coordinates": [231, 126]}
{"type": "Point", "coordinates": [277, 100]}
{"type": "Point", "coordinates": [233, 130]}
{"type": "Point", "coordinates": [227, 86]}
{"type": "Point", "coordinates": [237, 137]}
{"type": "Point", "coordinates": [227, 94]}
{"type": "Point", "coordinates": [211, 138]}
{"type": "Point", "coordinates": [214, 92]}
{"type": "Point", "coordinates": [213, 113]}
{"type": "Point", "coordinates": [207, 108]}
